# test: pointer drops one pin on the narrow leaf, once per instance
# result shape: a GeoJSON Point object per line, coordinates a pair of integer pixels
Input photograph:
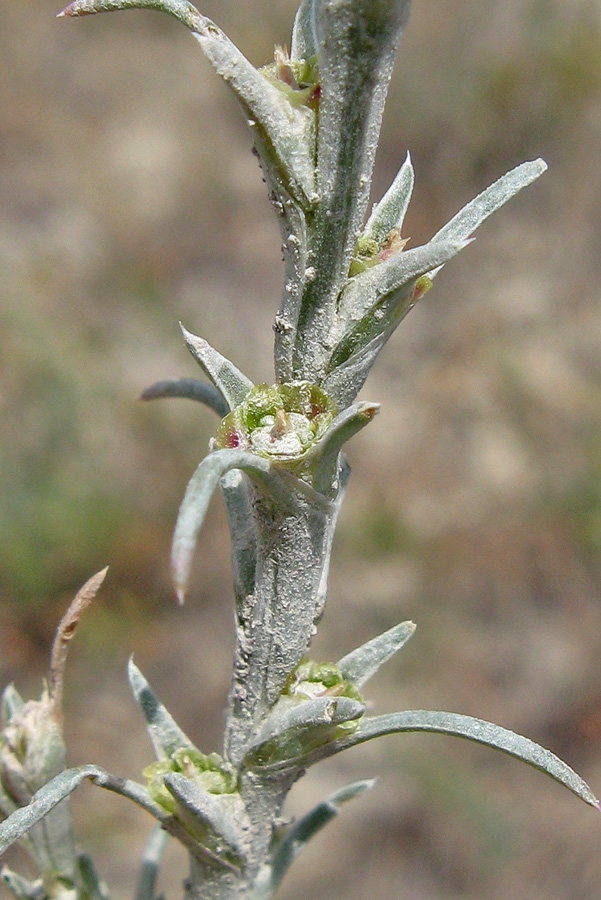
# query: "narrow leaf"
{"type": "Point", "coordinates": [359, 665]}
{"type": "Point", "coordinates": [64, 633]}
{"type": "Point", "coordinates": [390, 212]}
{"type": "Point", "coordinates": [324, 459]}
{"type": "Point", "coordinates": [12, 703]}
{"type": "Point", "coordinates": [217, 820]}
{"type": "Point", "coordinates": [49, 796]}
{"type": "Point", "coordinates": [287, 850]}
{"type": "Point", "coordinates": [189, 389]}
{"type": "Point", "coordinates": [305, 40]}
{"type": "Point", "coordinates": [165, 734]}
{"type": "Point", "coordinates": [229, 381]}
{"type": "Point", "coordinates": [94, 887]}
{"type": "Point", "coordinates": [196, 500]}
{"type": "Point", "coordinates": [151, 860]}
{"type": "Point", "coordinates": [286, 129]}
{"type": "Point", "coordinates": [477, 730]}
{"type": "Point", "coordinates": [485, 204]}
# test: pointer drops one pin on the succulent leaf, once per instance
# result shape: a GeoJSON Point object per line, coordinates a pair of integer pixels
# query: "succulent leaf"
{"type": "Point", "coordinates": [361, 664]}
{"type": "Point", "coordinates": [151, 861]}
{"type": "Point", "coordinates": [305, 40]}
{"type": "Point", "coordinates": [472, 729]}
{"type": "Point", "coordinates": [287, 133]}
{"type": "Point", "coordinates": [323, 458]}
{"type": "Point", "coordinates": [286, 850]}
{"type": "Point", "coordinates": [229, 381]}
{"type": "Point", "coordinates": [196, 500]}
{"type": "Point", "coordinates": [23, 888]}
{"type": "Point", "coordinates": [189, 389]}
{"type": "Point", "coordinates": [165, 734]}
{"type": "Point", "coordinates": [60, 787]}
{"type": "Point", "coordinates": [390, 212]}
{"type": "Point", "coordinates": [93, 886]}
{"type": "Point", "coordinates": [468, 219]}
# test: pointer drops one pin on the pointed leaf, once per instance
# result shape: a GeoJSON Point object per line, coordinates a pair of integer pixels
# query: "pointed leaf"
{"type": "Point", "coordinates": [196, 500]}
{"type": "Point", "coordinates": [390, 212]}
{"type": "Point", "coordinates": [217, 820]}
{"type": "Point", "coordinates": [189, 389]}
{"type": "Point", "coordinates": [229, 381]}
{"type": "Point", "coordinates": [93, 885]}
{"type": "Point", "coordinates": [286, 851]}
{"type": "Point", "coordinates": [364, 293]}
{"type": "Point", "coordinates": [477, 730]}
{"type": "Point", "coordinates": [485, 204]}
{"type": "Point", "coordinates": [359, 665]}
{"type": "Point", "coordinates": [151, 860]}
{"type": "Point", "coordinates": [49, 796]}
{"type": "Point", "coordinates": [165, 734]}
{"type": "Point", "coordinates": [286, 129]}
{"type": "Point", "coordinates": [305, 40]}
{"type": "Point", "coordinates": [324, 458]}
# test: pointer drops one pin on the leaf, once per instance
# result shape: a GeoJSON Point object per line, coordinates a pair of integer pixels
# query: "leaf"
{"type": "Point", "coordinates": [485, 204]}
{"type": "Point", "coordinates": [288, 848]}
{"type": "Point", "coordinates": [12, 704]}
{"type": "Point", "coordinates": [165, 734]}
{"type": "Point", "coordinates": [305, 40]}
{"type": "Point", "coordinates": [94, 887]}
{"type": "Point", "coordinates": [358, 43]}
{"type": "Point", "coordinates": [390, 212]}
{"type": "Point", "coordinates": [477, 730]}
{"type": "Point", "coordinates": [151, 860]}
{"type": "Point", "coordinates": [229, 381]}
{"type": "Point", "coordinates": [285, 130]}
{"type": "Point", "coordinates": [324, 458]}
{"type": "Point", "coordinates": [361, 664]}
{"type": "Point", "coordinates": [64, 633]}
{"type": "Point", "coordinates": [217, 821]}
{"type": "Point", "coordinates": [51, 794]}
{"type": "Point", "coordinates": [189, 389]}
{"type": "Point", "coordinates": [196, 500]}
{"type": "Point", "coordinates": [292, 730]}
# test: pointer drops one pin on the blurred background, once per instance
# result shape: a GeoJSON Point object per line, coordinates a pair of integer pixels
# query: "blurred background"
{"type": "Point", "coordinates": [129, 200]}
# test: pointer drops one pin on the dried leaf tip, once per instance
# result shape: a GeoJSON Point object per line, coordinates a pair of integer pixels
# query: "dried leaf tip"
{"type": "Point", "coordinates": [65, 631]}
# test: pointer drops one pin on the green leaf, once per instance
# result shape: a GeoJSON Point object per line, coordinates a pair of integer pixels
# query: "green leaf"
{"type": "Point", "coordinates": [93, 885]}
{"type": "Point", "coordinates": [196, 500]}
{"type": "Point", "coordinates": [485, 204]}
{"type": "Point", "coordinates": [286, 131]}
{"type": "Point", "coordinates": [189, 389]}
{"type": "Point", "coordinates": [12, 704]}
{"type": "Point", "coordinates": [323, 459]}
{"type": "Point", "coordinates": [229, 381]}
{"type": "Point", "coordinates": [477, 730]}
{"type": "Point", "coordinates": [361, 664]}
{"type": "Point", "coordinates": [165, 734]}
{"type": "Point", "coordinates": [217, 821]}
{"type": "Point", "coordinates": [151, 861]}
{"type": "Point", "coordinates": [288, 848]}
{"type": "Point", "coordinates": [49, 796]}
{"type": "Point", "coordinates": [390, 212]}
{"type": "Point", "coordinates": [305, 40]}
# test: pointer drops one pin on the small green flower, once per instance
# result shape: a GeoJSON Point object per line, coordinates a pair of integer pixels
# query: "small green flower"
{"type": "Point", "coordinates": [210, 772]}
{"type": "Point", "coordinates": [282, 422]}
{"type": "Point", "coordinates": [311, 679]}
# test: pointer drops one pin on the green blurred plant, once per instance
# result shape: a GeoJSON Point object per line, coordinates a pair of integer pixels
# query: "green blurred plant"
{"type": "Point", "coordinates": [314, 115]}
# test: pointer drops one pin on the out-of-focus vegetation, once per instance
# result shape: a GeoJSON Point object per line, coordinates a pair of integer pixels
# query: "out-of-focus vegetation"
{"type": "Point", "coordinates": [128, 200]}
